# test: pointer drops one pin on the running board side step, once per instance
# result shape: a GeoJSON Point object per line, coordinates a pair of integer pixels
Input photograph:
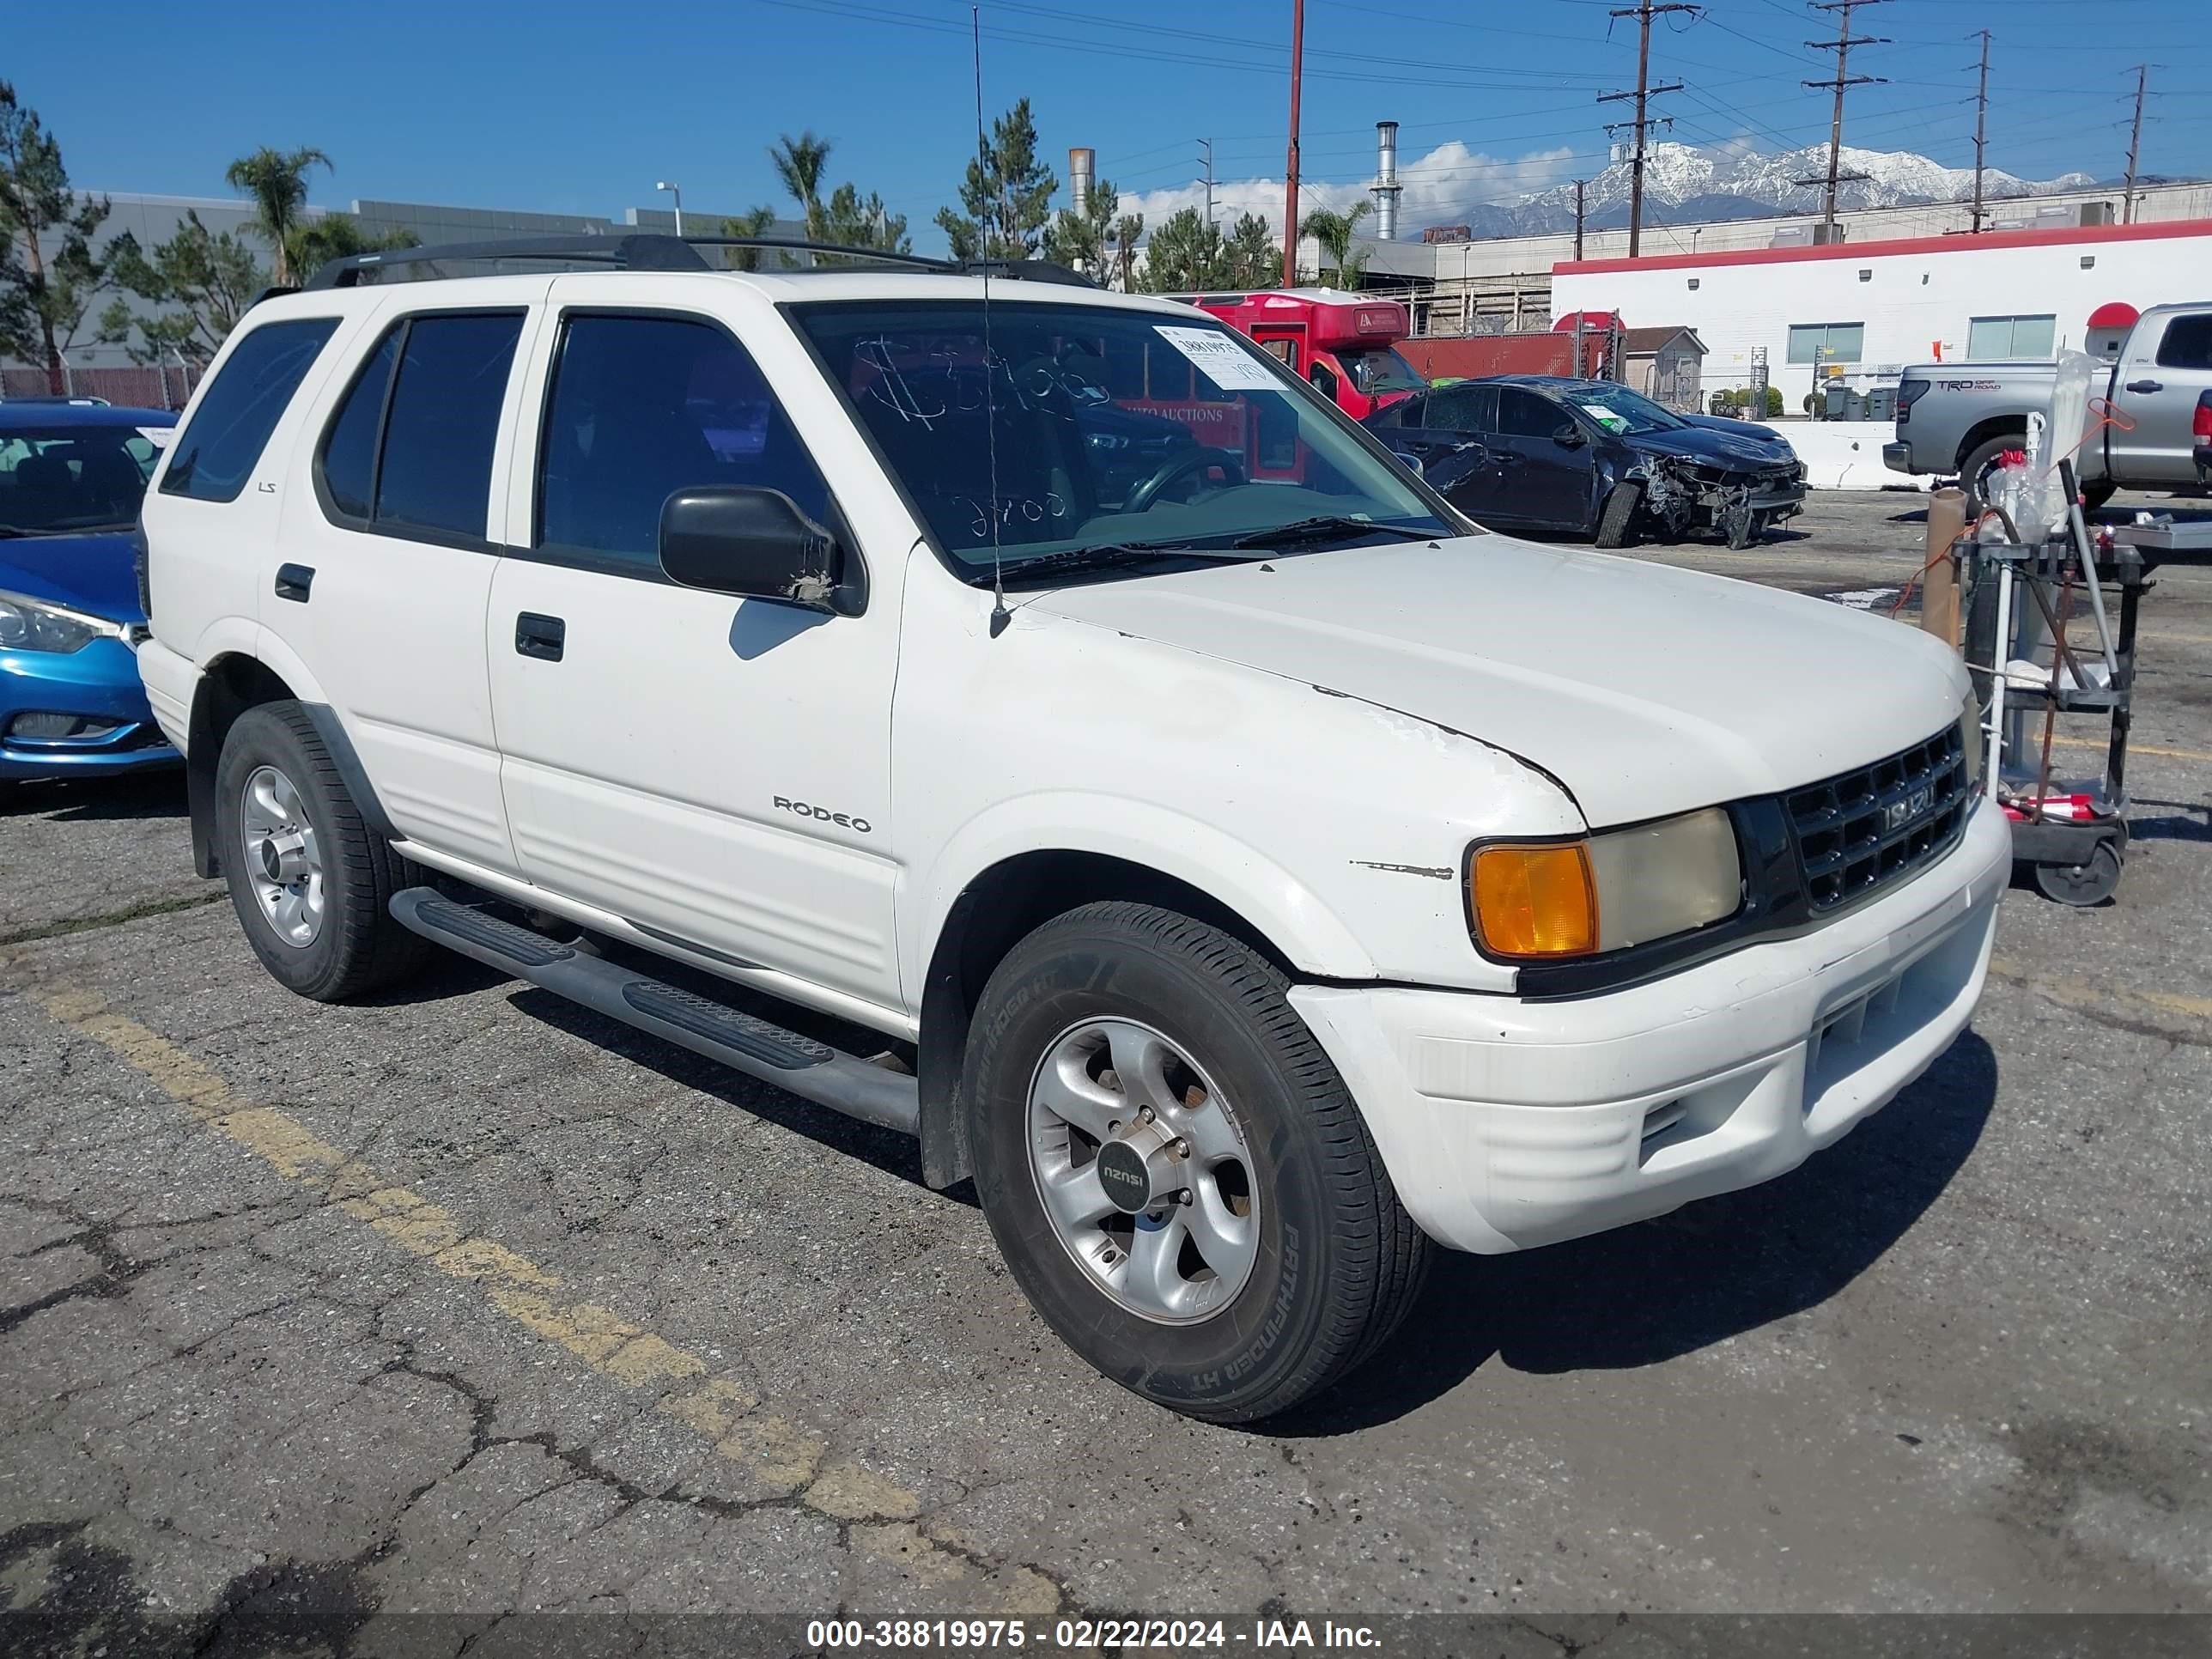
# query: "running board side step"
{"type": "Point", "coordinates": [813, 1071]}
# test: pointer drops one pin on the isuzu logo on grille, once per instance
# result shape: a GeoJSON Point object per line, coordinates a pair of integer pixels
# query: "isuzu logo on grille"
{"type": "Point", "coordinates": [1898, 813]}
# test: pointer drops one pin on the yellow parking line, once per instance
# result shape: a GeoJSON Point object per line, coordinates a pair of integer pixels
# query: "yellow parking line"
{"type": "Point", "coordinates": [2082, 993]}
{"type": "Point", "coordinates": [2134, 748]}
{"type": "Point", "coordinates": [786, 1457]}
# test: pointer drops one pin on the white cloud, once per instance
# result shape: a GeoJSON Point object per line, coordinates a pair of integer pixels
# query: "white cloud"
{"type": "Point", "coordinates": [1438, 186]}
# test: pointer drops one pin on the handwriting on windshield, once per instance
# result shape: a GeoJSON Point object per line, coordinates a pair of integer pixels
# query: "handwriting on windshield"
{"type": "Point", "coordinates": [923, 382]}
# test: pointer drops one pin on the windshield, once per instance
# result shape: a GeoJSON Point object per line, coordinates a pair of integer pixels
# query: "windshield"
{"type": "Point", "coordinates": [74, 478]}
{"type": "Point", "coordinates": [1111, 426]}
{"type": "Point", "coordinates": [1381, 369]}
{"type": "Point", "coordinates": [1617, 409]}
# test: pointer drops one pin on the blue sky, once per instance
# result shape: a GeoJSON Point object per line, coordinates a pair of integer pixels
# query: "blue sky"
{"type": "Point", "coordinates": [581, 107]}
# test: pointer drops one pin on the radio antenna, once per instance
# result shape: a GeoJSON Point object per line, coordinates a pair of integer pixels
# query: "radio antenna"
{"type": "Point", "coordinates": [1000, 615]}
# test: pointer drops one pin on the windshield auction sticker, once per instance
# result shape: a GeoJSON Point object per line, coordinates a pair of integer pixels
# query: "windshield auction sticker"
{"type": "Point", "coordinates": [1605, 417]}
{"type": "Point", "coordinates": [1219, 358]}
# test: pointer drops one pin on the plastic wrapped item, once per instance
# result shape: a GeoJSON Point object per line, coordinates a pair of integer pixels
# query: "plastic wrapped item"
{"type": "Point", "coordinates": [2039, 502]}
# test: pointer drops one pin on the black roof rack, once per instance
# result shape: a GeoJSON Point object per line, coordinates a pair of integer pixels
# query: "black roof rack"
{"type": "Point", "coordinates": [649, 252]}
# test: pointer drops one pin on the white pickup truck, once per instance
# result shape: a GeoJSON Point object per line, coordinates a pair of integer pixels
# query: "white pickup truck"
{"type": "Point", "coordinates": [1960, 418]}
{"type": "Point", "coordinates": [1253, 872]}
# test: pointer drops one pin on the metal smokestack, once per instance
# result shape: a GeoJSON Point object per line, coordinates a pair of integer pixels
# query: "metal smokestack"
{"type": "Point", "coordinates": [1082, 169]}
{"type": "Point", "coordinates": [1386, 188]}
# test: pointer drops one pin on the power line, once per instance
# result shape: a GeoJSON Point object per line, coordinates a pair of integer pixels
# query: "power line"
{"type": "Point", "coordinates": [1644, 12]}
{"type": "Point", "coordinates": [1841, 46]}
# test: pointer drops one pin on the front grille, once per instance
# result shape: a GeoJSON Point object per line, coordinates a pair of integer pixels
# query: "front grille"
{"type": "Point", "coordinates": [1866, 829]}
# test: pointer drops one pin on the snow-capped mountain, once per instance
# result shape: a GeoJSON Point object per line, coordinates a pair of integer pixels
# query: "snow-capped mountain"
{"type": "Point", "coordinates": [1683, 182]}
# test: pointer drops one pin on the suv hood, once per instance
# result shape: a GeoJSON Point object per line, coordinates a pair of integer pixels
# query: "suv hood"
{"type": "Point", "coordinates": [1642, 689]}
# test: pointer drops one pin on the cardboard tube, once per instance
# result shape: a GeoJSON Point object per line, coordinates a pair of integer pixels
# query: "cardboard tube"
{"type": "Point", "coordinates": [1939, 582]}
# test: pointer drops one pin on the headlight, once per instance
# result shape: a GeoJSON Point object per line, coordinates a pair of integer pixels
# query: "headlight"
{"type": "Point", "coordinates": [1975, 740]}
{"type": "Point", "coordinates": [1543, 901]}
{"type": "Point", "coordinates": [28, 624]}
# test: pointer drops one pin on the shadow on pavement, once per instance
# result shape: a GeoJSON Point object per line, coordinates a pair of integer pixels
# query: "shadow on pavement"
{"type": "Point", "coordinates": [1663, 1289]}
{"type": "Point", "coordinates": [157, 794]}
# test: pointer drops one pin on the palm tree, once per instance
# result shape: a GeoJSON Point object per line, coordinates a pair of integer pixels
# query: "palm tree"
{"type": "Point", "coordinates": [799, 162]}
{"type": "Point", "coordinates": [1334, 232]}
{"type": "Point", "coordinates": [277, 182]}
{"type": "Point", "coordinates": [1124, 234]}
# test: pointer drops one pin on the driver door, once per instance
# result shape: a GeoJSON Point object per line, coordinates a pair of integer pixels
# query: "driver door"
{"type": "Point", "coordinates": [1552, 484]}
{"type": "Point", "coordinates": [713, 769]}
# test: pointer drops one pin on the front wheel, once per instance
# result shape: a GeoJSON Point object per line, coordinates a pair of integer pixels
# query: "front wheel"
{"type": "Point", "coordinates": [1175, 1173]}
{"type": "Point", "coordinates": [1616, 516]}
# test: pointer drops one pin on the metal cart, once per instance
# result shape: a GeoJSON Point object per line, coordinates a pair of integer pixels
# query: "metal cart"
{"type": "Point", "coordinates": [2072, 835]}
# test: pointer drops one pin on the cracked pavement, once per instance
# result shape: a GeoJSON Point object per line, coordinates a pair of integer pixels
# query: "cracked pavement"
{"type": "Point", "coordinates": [466, 1302]}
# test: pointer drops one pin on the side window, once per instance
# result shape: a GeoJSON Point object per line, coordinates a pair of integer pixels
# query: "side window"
{"type": "Point", "coordinates": [642, 407]}
{"type": "Point", "coordinates": [1523, 414]}
{"type": "Point", "coordinates": [219, 448]}
{"type": "Point", "coordinates": [434, 470]}
{"type": "Point", "coordinates": [1324, 379]}
{"type": "Point", "coordinates": [1406, 412]}
{"type": "Point", "coordinates": [2188, 342]}
{"type": "Point", "coordinates": [348, 457]}
{"type": "Point", "coordinates": [1462, 408]}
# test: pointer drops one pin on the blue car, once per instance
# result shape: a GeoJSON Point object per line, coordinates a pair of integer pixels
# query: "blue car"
{"type": "Point", "coordinates": [72, 475]}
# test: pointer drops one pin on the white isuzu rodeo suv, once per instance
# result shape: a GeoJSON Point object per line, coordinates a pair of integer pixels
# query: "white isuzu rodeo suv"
{"type": "Point", "coordinates": [1260, 874]}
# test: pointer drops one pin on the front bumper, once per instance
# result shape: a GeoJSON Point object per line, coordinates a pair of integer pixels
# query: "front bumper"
{"type": "Point", "coordinates": [97, 683]}
{"type": "Point", "coordinates": [1507, 1123]}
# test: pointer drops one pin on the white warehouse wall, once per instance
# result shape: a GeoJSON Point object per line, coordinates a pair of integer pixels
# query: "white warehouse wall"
{"type": "Point", "coordinates": [1909, 295]}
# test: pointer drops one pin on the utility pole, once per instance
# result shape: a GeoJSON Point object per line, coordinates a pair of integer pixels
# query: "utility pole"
{"type": "Point", "coordinates": [1644, 12]}
{"type": "Point", "coordinates": [2134, 148]}
{"type": "Point", "coordinates": [1841, 46]}
{"type": "Point", "coordinates": [1981, 120]}
{"type": "Point", "coordinates": [1578, 219]}
{"type": "Point", "coordinates": [1206, 149]}
{"type": "Point", "coordinates": [1290, 171]}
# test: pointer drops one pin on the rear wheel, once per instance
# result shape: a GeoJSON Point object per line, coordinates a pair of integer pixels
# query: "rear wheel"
{"type": "Point", "coordinates": [1982, 461]}
{"type": "Point", "coordinates": [1173, 1169]}
{"type": "Point", "coordinates": [308, 878]}
{"type": "Point", "coordinates": [2090, 881]}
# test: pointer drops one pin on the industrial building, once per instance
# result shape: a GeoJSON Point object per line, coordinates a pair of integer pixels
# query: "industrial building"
{"type": "Point", "coordinates": [1854, 313]}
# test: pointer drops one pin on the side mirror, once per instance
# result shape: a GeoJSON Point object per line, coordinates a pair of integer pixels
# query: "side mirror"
{"type": "Point", "coordinates": [1409, 461]}
{"type": "Point", "coordinates": [1568, 436]}
{"type": "Point", "coordinates": [754, 542]}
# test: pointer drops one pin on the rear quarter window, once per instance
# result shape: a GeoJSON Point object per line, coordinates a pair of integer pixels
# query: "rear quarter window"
{"type": "Point", "coordinates": [221, 445]}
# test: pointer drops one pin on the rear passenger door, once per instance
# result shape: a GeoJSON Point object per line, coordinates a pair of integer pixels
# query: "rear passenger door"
{"type": "Point", "coordinates": [2158, 381]}
{"type": "Point", "coordinates": [714, 770]}
{"type": "Point", "coordinates": [1453, 439]}
{"type": "Point", "coordinates": [388, 562]}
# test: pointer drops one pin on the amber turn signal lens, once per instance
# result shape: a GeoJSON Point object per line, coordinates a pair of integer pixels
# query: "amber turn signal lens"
{"type": "Point", "coordinates": [1535, 901]}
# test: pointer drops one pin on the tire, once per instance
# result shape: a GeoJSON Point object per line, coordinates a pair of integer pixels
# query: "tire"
{"type": "Point", "coordinates": [1334, 1260]}
{"type": "Point", "coordinates": [1616, 518]}
{"type": "Point", "coordinates": [1979, 460]}
{"type": "Point", "coordinates": [351, 945]}
{"type": "Point", "coordinates": [2084, 885]}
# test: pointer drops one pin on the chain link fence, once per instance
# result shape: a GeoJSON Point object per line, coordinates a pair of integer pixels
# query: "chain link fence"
{"type": "Point", "coordinates": [154, 385]}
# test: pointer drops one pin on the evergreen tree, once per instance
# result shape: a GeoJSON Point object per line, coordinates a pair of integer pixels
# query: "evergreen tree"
{"type": "Point", "coordinates": [1007, 195]}
{"type": "Point", "coordinates": [45, 290]}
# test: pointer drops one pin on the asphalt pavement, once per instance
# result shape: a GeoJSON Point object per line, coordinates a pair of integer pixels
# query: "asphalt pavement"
{"type": "Point", "coordinates": [318, 1320]}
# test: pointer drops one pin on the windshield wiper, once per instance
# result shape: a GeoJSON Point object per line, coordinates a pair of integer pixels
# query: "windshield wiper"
{"type": "Point", "coordinates": [1109, 555]}
{"type": "Point", "coordinates": [1326, 527]}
